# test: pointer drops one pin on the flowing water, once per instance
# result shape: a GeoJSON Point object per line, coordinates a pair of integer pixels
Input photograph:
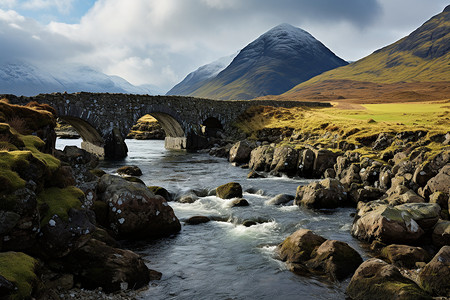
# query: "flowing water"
{"type": "Point", "coordinates": [223, 259]}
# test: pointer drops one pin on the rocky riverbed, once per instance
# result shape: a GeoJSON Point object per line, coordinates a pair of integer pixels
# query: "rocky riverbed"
{"type": "Point", "coordinates": [399, 183]}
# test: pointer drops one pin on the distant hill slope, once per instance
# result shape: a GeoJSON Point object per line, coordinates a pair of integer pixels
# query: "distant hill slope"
{"type": "Point", "coordinates": [422, 56]}
{"type": "Point", "coordinates": [24, 79]}
{"type": "Point", "coordinates": [272, 64]}
{"type": "Point", "coordinates": [195, 79]}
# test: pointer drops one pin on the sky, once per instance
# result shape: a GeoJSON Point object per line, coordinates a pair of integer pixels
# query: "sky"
{"type": "Point", "coordinates": [159, 42]}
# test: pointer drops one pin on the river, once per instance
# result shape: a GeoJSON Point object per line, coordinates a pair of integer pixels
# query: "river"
{"type": "Point", "coordinates": [223, 259]}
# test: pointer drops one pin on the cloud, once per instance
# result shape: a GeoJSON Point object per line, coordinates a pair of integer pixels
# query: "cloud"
{"type": "Point", "coordinates": [159, 42]}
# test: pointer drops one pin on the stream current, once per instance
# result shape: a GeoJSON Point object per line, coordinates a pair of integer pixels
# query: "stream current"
{"type": "Point", "coordinates": [224, 259]}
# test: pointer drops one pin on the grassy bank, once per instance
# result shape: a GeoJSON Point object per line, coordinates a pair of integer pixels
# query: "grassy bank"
{"type": "Point", "coordinates": [351, 123]}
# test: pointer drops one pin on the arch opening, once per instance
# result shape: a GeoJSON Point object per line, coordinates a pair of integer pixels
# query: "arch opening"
{"type": "Point", "coordinates": [92, 140]}
{"type": "Point", "coordinates": [147, 128]}
{"type": "Point", "coordinates": [86, 131]}
{"type": "Point", "coordinates": [170, 125]}
{"type": "Point", "coordinates": [211, 127]}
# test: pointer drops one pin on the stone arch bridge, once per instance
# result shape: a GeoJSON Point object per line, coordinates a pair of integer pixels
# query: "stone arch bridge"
{"type": "Point", "coordinates": [103, 120]}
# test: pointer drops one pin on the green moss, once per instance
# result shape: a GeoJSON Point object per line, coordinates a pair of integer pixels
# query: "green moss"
{"type": "Point", "coordinates": [19, 268]}
{"type": "Point", "coordinates": [33, 144]}
{"type": "Point", "coordinates": [157, 190]}
{"type": "Point", "coordinates": [59, 202]}
{"type": "Point", "coordinates": [9, 179]}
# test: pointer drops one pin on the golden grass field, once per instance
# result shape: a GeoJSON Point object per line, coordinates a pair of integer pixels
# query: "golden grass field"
{"type": "Point", "coordinates": [351, 121]}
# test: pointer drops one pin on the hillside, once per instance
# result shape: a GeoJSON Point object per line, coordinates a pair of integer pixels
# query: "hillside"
{"type": "Point", "coordinates": [423, 56]}
{"type": "Point", "coordinates": [194, 80]}
{"type": "Point", "coordinates": [272, 64]}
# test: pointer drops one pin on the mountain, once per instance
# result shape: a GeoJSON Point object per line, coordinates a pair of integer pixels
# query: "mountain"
{"type": "Point", "coordinates": [25, 79]}
{"type": "Point", "coordinates": [195, 79]}
{"type": "Point", "coordinates": [422, 56]}
{"type": "Point", "coordinates": [272, 64]}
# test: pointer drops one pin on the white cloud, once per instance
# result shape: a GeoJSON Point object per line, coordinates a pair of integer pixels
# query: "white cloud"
{"type": "Point", "coordinates": [159, 42]}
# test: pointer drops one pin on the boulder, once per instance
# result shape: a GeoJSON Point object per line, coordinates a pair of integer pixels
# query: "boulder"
{"type": "Point", "coordinates": [157, 190]}
{"type": "Point", "coordinates": [440, 182]}
{"type": "Point", "coordinates": [187, 198]}
{"type": "Point", "coordinates": [229, 190]}
{"type": "Point", "coordinates": [129, 170]}
{"type": "Point", "coordinates": [336, 259]}
{"type": "Point", "coordinates": [134, 212]}
{"type": "Point", "coordinates": [441, 234]}
{"type": "Point", "coordinates": [253, 174]}
{"type": "Point", "coordinates": [285, 160]}
{"type": "Point", "coordinates": [383, 141]}
{"type": "Point", "coordinates": [377, 280]}
{"type": "Point", "coordinates": [365, 194]}
{"type": "Point", "coordinates": [195, 220]}
{"type": "Point", "coordinates": [362, 207]}
{"type": "Point", "coordinates": [306, 163]}
{"type": "Point", "coordinates": [434, 277]}
{"type": "Point", "coordinates": [308, 253]}
{"type": "Point", "coordinates": [280, 199]}
{"type": "Point", "coordinates": [387, 225]}
{"type": "Point", "coordinates": [329, 173]}
{"type": "Point", "coordinates": [60, 235]}
{"type": "Point", "coordinates": [239, 202]}
{"type": "Point", "coordinates": [385, 177]}
{"type": "Point", "coordinates": [98, 265]}
{"type": "Point", "coordinates": [298, 247]}
{"type": "Point", "coordinates": [429, 169]}
{"type": "Point", "coordinates": [240, 152]}
{"type": "Point", "coordinates": [261, 158]}
{"type": "Point", "coordinates": [405, 256]}
{"type": "Point", "coordinates": [81, 162]}
{"type": "Point", "coordinates": [400, 194]}
{"type": "Point", "coordinates": [19, 276]}
{"type": "Point", "coordinates": [350, 175]}
{"type": "Point", "coordinates": [323, 159]}
{"type": "Point", "coordinates": [328, 193]}
{"type": "Point", "coordinates": [441, 199]}
{"type": "Point", "coordinates": [134, 179]}
{"type": "Point", "coordinates": [424, 214]}
{"type": "Point", "coordinates": [370, 174]}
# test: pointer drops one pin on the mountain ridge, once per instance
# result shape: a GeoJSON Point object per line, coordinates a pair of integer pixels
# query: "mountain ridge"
{"type": "Point", "coordinates": [422, 56]}
{"type": "Point", "coordinates": [24, 79]}
{"type": "Point", "coordinates": [272, 64]}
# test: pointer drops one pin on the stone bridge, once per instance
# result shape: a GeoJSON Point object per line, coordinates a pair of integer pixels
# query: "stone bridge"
{"type": "Point", "coordinates": [103, 120]}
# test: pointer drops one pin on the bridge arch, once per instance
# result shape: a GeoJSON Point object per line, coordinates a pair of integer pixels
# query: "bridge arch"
{"type": "Point", "coordinates": [211, 126]}
{"type": "Point", "coordinates": [169, 124]}
{"type": "Point", "coordinates": [87, 132]}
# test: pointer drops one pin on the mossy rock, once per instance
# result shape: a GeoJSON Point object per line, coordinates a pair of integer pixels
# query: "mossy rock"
{"type": "Point", "coordinates": [229, 190]}
{"type": "Point", "coordinates": [19, 269]}
{"type": "Point", "coordinates": [29, 118]}
{"type": "Point", "coordinates": [376, 279]}
{"type": "Point", "coordinates": [57, 201]}
{"type": "Point", "coordinates": [134, 179]}
{"type": "Point", "coordinates": [98, 172]}
{"type": "Point", "coordinates": [157, 190]}
{"type": "Point", "coordinates": [130, 170]}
